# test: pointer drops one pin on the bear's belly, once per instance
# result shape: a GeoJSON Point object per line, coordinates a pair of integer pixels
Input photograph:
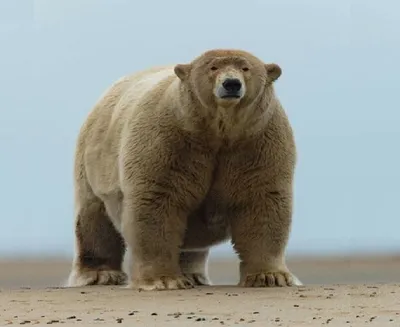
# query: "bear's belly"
{"type": "Point", "coordinates": [207, 227]}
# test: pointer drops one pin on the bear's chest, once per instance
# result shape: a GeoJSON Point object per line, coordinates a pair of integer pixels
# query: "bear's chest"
{"type": "Point", "coordinates": [220, 204]}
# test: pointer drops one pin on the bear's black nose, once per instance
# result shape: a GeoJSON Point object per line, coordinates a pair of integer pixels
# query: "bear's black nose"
{"type": "Point", "coordinates": [232, 85]}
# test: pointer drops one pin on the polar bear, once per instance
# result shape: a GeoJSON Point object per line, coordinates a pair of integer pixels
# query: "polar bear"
{"type": "Point", "coordinates": [174, 160]}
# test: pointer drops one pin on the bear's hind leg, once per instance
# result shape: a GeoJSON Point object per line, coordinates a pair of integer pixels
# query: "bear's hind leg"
{"type": "Point", "coordinates": [99, 247]}
{"type": "Point", "coordinates": [194, 266]}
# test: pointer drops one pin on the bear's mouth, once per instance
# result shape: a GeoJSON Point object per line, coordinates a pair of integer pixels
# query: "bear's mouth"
{"type": "Point", "coordinates": [231, 96]}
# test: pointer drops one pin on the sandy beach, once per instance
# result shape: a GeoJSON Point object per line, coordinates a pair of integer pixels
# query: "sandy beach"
{"type": "Point", "coordinates": [337, 292]}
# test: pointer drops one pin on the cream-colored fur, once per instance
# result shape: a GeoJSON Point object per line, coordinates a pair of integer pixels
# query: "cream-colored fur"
{"type": "Point", "coordinates": [172, 161]}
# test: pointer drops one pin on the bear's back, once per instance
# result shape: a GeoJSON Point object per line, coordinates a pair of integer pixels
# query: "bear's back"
{"type": "Point", "coordinates": [119, 102]}
{"type": "Point", "coordinates": [140, 85]}
{"type": "Point", "coordinates": [100, 136]}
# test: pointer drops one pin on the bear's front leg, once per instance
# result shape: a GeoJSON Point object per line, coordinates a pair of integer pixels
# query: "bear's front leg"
{"type": "Point", "coordinates": [154, 230]}
{"type": "Point", "coordinates": [163, 182]}
{"type": "Point", "coordinates": [260, 230]}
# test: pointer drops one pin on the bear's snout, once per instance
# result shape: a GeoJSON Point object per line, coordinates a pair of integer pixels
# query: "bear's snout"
{"type": "Point", "coordinates": [229, 88]}
{"type": "Point", "coordinates": [232, 86]}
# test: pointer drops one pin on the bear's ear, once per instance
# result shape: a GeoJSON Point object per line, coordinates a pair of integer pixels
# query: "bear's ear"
{"type": "Point", "coordinates": [182, 71]}
{"type": "Point", "coordinates": [273, 72]}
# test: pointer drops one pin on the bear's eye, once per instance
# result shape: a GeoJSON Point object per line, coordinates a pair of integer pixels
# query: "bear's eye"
{"type": "Point", "coordinates": [245, 69]}
{"type": "Point", "coordinates": [214, 68]}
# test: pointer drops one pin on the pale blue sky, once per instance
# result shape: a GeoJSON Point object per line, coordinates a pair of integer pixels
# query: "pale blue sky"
{"type": "Point", "coordinates": [340, 87]}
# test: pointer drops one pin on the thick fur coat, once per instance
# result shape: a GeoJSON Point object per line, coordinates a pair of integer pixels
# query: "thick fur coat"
{"type": "Point", "coordinates": [174, 160]}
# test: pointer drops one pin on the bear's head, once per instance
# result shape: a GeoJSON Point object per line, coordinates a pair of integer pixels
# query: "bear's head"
{"type": "Point", "coordinates": [227, 78]}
